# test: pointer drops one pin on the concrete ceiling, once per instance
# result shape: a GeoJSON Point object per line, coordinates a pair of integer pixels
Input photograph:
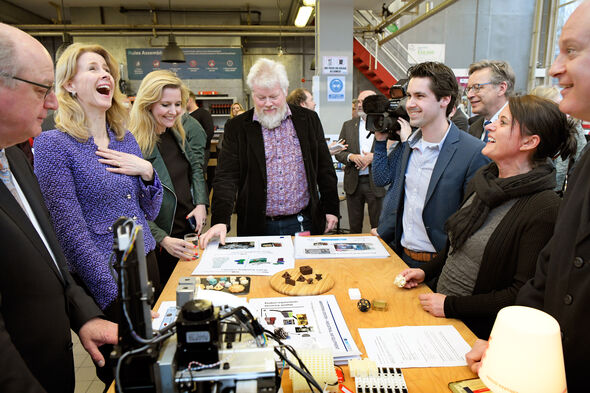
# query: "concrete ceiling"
{"type": "Point", "coordinates": [33, 11]}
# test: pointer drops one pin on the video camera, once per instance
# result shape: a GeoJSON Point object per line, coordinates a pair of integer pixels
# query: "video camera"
{"type": "Point", "coordinates": [382, 114]}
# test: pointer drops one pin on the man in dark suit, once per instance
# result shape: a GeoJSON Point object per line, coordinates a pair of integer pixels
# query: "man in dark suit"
{"type": "Point", "coordinates": [490, 84]}
{"type": "Point", "coordinates": [561, 285]}
{"type": "Point", "coordinates": [39, 300]}
{"type": "Point", "coordinates": [429, 172]}
{"type": "Point", "coordinates": [275, 159]}
{"type": "Point", "coordinates": [358, 182]}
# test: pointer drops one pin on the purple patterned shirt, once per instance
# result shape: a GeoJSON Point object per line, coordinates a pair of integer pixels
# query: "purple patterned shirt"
{"type": "Point", "coordinates": [286, 185]}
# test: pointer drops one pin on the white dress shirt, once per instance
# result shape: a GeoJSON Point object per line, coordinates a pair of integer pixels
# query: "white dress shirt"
{"type": "Point", "coordinates": [417, 179]}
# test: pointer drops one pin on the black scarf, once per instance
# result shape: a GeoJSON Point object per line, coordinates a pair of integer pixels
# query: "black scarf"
{"type": "Point", "coordinates": [492, 191]}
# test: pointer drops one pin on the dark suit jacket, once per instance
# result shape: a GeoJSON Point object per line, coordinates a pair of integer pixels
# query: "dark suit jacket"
{"type": "Point", "coordinates": [458, 160]}
{"type": "Point", "coordinates": [561, 285]}
{"type": "Point", "coordinates": [241, 170]}
{"type": "Point", "coordinates": [476, 126]}
{"type": "Point", "coordinates": [350, 133]}
{"type": "Point", "coordinates": [38, 303]}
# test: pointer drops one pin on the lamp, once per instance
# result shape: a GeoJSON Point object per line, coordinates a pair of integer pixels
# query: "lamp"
{"type": "Point", "coordinates": [303, 16]}
{"type": "Point", "coordinates": [172, 53]}
{"type": "Point", "coordinates": [310, 3]}
{"type": "Point", "coordinates": [524, 353]}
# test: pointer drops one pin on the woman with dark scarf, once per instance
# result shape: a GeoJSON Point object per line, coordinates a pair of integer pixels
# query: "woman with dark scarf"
{"type": "Point", "coordinates": [506, 219]}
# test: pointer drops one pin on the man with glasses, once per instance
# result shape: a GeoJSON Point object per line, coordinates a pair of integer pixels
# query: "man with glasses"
{"type": "Point", "coordinates": [39, 300]}
{"type": "Point", "coordinates": [490, 84]}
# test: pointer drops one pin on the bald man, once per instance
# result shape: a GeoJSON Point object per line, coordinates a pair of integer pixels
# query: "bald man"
{"type": "Point", "coordinates": [561, 285]}
{"type": "Point", "coordinates": [39, 300]}
{"type": "Point", "coordinates": [358, 180]}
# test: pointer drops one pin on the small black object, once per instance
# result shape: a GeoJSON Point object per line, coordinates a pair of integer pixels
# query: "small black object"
{"type": "Point", "coordinates": [281, 333]}
{"type": "Point", "coordinates": [364, 305]}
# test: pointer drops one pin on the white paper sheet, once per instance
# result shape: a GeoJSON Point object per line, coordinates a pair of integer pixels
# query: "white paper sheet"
{"type": "Point", "coordinates": [416, 346]}
{"type": "Point", "coordinates": [310, 321]}
{"type": "Point", "coordinates": [247, 256]}
{"type": "Point", "coordinates": [339, 247]}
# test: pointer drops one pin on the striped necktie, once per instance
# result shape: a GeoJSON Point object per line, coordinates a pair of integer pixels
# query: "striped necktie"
{"type": "Point", "coordinates": [485, 137]}
{"type": "Point", "coordinates": [6, 177]}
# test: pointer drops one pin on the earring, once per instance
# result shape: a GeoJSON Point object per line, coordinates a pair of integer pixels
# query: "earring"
{"type": "Point", "coordinates": [73, 94]}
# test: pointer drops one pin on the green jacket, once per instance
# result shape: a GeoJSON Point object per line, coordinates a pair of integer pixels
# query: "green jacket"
{"type": "Point", "coordinates": [193, 150]}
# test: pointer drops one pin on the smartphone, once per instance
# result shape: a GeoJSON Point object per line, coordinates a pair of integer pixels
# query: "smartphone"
{"type": "Point", "coordinates": [192, 222]}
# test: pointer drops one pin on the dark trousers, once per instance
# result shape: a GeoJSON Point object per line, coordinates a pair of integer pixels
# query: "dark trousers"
{"type": "Point", "coordinates": [356, 205]}
{"type": "Point", "coordinates": [288, 225]}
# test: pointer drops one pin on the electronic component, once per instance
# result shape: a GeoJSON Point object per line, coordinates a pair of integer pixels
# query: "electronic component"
{"type": "Point", "coordinates": [388, 379]}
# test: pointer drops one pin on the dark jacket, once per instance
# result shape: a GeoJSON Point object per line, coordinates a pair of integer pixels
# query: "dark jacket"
{"type": "Point", "coordinates": [193, 151]}
{"type": "Point", "coordinates": [508, 261]}
{"type": "Point", "coordinates": [460, 157]}
{"type": "Point", "coordinates": [38, 303]}
{"type": "Point", "coordinates": [241, 170]}
{"type": "Point", "coordinates": [561, 285]}
{"type": "Point", "coordinates": [350, 133]}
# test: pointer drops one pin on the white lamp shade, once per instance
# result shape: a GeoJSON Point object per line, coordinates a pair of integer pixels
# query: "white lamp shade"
{"type": "Point", "coordinates": [524, 353]}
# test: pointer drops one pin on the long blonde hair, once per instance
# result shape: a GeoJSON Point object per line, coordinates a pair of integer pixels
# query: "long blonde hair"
{"type": "Point", "coordinates": [70, 117]}
{"type": "Point", "coordinates": [142, 123]}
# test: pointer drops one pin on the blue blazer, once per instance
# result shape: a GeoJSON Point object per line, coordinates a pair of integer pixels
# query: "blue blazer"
{"type": "Point", "coordinates": [458, 160]}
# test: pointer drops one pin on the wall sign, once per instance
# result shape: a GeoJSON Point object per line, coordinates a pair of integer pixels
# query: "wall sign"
{"type": "Point", "coordinates": [336, 88]}
{"type": "Point", "coordinates": [335, 65]}
{"type": "Point", "coordinates": [201, 63]}
{"type": "Point", "coordinates": [419, 53]}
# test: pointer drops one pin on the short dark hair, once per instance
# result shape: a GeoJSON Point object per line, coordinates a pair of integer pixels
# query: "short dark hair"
{"type": "Point", "coordinates": [443, 82]}
{"type": "Point", "coordinates": [542, 117]}
{"type": "Point", "coordinates": [297, 97]}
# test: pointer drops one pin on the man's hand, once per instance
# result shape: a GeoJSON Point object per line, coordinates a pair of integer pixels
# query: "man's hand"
{"type": "Point", "coordinates": [434, 303]}
{"type": "Point", "coordinates": [474, 356]}
{"type": "Point", "coordinates": [331, 221]}
{"type": "Point", "coordinates": [357, 159]}
{"type": "Point", "coordinates": [405, 129]}
{"type": "Point", "coordinates": [367, 158]}
{"type": "Point", "coordinates": [217, 230]}
{"type": "Point", "coordinates": [413, 277]}
{"type": "Point", "coordinates": [95, 333]}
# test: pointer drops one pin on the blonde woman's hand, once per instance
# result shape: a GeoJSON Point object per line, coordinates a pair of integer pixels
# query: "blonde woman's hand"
{"type": "Point", "coordinates": [126, 164]}
{"type": "Point", "coordinates": [200, 215]}
{"type": "Point", "coordinates": [179, 248]}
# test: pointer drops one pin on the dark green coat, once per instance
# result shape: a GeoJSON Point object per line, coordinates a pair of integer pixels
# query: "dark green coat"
{"type": "Point", "coordinates": [193, 149]}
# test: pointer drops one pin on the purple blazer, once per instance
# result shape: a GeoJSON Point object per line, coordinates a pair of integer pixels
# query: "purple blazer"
{"type": "Point", "coordinates": [84, 200]}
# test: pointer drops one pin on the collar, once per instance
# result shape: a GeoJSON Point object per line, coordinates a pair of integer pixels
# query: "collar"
{"type": "Point", "coordinates": [497, 114]}
{"type": "Point", "coordinates": [416, 138]}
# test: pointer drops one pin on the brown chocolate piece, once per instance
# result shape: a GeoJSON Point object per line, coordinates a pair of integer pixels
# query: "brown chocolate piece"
{"type": "Point", "coordinates": [301, 279]}
{"type": "Point", "coordinates": [286, 275]}
{"type": "Point", "coordinates": [289, 281]}
{"type": "Point", "coordinates": [318, 277]}
{"type": "Point", "coordinates": [310, 280]}
{"type": "Point", "coordinates": [306, 269]}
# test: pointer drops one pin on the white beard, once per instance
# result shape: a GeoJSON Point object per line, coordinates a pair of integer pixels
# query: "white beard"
{"type": "Point", "coordinates": [362, 114]}
{"type": "Point", "coordinates": [272, 121]}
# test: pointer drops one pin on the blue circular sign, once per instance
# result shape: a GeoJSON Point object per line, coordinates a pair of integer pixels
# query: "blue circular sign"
{"type": "Point", "coordinates": [336, 85]}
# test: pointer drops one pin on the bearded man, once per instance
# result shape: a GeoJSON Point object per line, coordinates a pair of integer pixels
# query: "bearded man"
{"type": "Point", "coordinates": [276, 161]}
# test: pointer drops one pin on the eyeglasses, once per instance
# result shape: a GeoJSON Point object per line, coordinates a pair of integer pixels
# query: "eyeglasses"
{"type": "Point", "coordinates": [48, 87]}
{"type": "Point", "coordinates": [477, 87]}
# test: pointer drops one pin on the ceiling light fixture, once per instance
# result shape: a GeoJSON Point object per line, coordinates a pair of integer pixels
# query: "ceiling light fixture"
{"type": "Point", "coordinates": [309, 3]}
{"type": "Point", "coordinates": [303, 16]}
{"type": "Point", "coordinates": [172, 53]}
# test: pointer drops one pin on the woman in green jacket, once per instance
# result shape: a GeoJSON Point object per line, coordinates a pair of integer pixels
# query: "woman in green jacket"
{"type": "Point", "coordinates": [176, 154]}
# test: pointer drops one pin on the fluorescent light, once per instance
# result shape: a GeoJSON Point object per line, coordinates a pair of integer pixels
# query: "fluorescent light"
{"type": "Point", "coordinates": [310, 3]}
{"type": "Point", "coordinates": [303, 16]}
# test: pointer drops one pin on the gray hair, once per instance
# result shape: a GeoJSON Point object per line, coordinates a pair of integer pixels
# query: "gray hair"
{"type": "Point", "coordinates": [8, 64]}
{"type": "Point", "coordinates": [501, 72]}
{"type": "Point", "coordinates": [267, 73]}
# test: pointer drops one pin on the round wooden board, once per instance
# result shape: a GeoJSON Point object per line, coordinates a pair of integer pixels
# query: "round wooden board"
{"type": "Point", "coordinates": [277, 282]}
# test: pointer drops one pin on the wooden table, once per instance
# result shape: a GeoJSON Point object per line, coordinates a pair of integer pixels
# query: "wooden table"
{"type": "Point", "coordinates": [374, 278]}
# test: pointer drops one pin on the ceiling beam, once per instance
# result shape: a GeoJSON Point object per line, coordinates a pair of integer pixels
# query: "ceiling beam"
{"type": "Point", "coordinates": [12, 14]}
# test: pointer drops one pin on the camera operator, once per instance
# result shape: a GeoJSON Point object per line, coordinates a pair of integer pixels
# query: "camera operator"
{"type": "Point", "coordinates": [428, 172]}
